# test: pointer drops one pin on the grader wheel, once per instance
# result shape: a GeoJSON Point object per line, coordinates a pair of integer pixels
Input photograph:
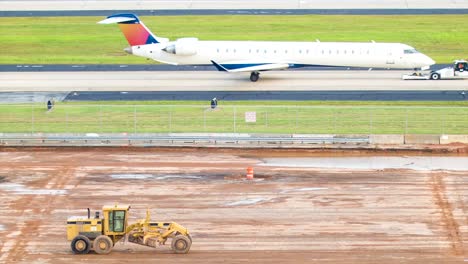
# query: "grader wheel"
{"type": "Point", "coordinates": [103, 244]}
{"type": "Point", "coordinates": [181, 244]}
{"type": "Point", "coordinates": [80, 245]}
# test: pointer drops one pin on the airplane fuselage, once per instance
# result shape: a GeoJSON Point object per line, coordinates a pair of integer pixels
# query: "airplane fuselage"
{"type": "Point", "coordinates": [257, 56]}
{"type": "Point", "coordinates": [297, 54]}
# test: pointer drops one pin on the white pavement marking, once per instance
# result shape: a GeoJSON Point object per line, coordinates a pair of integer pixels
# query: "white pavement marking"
{"type": "Point", "coordinates": [218, 81]}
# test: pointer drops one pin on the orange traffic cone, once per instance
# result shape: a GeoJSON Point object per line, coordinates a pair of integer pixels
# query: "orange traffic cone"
{"type": "Point", "coordinates": [250, 173]}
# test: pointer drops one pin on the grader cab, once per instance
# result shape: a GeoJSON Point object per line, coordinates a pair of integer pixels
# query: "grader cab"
{"type": "Point", "coordinates": [101, 234]}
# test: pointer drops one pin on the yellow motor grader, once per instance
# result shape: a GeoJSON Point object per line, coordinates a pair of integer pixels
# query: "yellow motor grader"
{"type": "Point", "coordinates": [101, 234]}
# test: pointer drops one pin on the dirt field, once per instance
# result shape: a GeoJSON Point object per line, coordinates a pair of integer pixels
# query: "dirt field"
{"type": "Point", "coordinates": [288, 214]}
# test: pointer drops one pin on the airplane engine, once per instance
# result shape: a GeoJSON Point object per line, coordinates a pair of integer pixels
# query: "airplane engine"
{"type": "Point", "coordinates": [183, 47]}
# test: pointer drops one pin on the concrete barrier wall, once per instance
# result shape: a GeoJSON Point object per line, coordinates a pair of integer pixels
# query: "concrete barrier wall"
{"type": "Point", "coordinates": [387, 139]}
{"type": "Point", "coordinates": [422, 139]}
{"type": "Point", "coordinates": [214, 139]}
{"type": "Point", "coordinates": [448, 139]}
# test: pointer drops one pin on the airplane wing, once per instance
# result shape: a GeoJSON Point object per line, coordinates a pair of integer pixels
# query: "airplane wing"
{"type": "Point", "coordinates": [249, 66]}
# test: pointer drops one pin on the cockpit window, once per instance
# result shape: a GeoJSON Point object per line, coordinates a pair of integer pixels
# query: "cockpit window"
{"type": "Point", "coordinates": [411, 51]}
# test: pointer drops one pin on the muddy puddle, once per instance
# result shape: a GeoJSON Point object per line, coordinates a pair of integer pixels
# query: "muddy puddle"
{"type": "Point", "coordinates": [161, 177]}
{"type": "Point", "coordinates": [307, 189]}
{"type": "Point", "coordinates": [419, 163]}
{"type": "Point", "coordinates": [247, 202]}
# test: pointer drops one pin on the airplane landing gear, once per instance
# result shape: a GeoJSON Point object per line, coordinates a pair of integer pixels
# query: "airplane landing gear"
{"type": "Point", "coordinates": [254, 76]}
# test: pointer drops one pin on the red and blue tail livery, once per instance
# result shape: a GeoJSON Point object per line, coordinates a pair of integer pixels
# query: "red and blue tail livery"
{"type": "Point", "coordinates": [134, 30]}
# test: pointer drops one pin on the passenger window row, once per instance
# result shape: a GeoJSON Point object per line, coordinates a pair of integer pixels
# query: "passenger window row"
{"type": "Point", "coordinates": [299, 51]}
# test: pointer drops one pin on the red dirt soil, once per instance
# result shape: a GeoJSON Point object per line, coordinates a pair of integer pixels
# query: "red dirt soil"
{"type": "Point", "coordinates": [285, 215]}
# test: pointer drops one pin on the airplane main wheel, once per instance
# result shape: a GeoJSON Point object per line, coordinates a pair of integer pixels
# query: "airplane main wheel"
{"type": "Point", "coordinates": [435, 76]}
{"type": "Point", "coordinates": [181, 244]}
{"type": "Point", "coordinates": [103, 244]}
{"type": "Point", "coordinates": [80, 245]}
{"type": "Point", "coordinates": [254, 76]}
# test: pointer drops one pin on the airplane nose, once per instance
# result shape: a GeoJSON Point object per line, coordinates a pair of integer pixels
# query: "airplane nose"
{"type": "Point", "coordinates": [425, 60]}
{"type": "Point", "coordinates": [128, 50]}
{"type": "Point", "coordinates": [429, 61]}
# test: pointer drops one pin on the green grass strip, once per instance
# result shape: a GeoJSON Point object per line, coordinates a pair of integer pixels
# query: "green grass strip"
{"type": "Point", "coordinates": [79, 40]}
{"type": "Point", "coordinates": [279, 119]}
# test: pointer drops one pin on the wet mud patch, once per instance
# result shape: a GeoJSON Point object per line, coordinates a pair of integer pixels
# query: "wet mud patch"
{"type": "Point", "coordinates": [24, 190]}
{"type": "Point", "coordinates": [305, 189]}
{"type": "Point", "coordinates": [255, 201]}
{"type": "Point", "coordinates": [258, 176]}
{"type": "Point", "coordinates": [158, 176]}
{"type": "Point", "coordinates": [245, 202]}
{"type": "Point", "coordinates": [417, 163]}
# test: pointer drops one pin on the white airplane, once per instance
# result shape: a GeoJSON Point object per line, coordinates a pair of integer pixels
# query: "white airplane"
{"type": "Point", "coordinates": [257, 56]}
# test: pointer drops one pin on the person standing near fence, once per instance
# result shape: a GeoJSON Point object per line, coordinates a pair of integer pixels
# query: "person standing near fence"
{"type": "Point", "coordinates": [214, 103]}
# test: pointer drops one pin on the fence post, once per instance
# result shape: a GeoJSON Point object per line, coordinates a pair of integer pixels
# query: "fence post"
{"type": "Point", "coordinates": [235, 114]}
{"type": "Point", "coordinates": [406, 121]}
{"type": "Point", "coordinates": [370, 120]}
{"type": "Point", "coordinates": [444, 123]}
{"type": "Point", "coordinates": [334, 121]}
{"type": "Point", "coordinates": [100, 118]}
{"type": "Point", "coordinates": [204, 120]}
{"type": "Point", "coordinates": [170, 119]}
{"type": "Point", "coordinates": [32, 118]}
{"type": "Point", "coordinates": [297, 116]}
{"type": "Point", "coordinates": [66, 119]}
{"type": "Point", "coordinates": [134, 120]}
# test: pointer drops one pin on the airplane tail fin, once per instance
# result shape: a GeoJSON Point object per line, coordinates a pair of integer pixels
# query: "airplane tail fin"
{"type": "Point", "coordinates": [134, 30]}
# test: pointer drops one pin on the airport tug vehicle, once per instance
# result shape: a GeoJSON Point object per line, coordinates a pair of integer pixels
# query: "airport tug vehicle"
{"type": "Point", "coordinates": [458, 71]}
{"type": "Point", "coordinates": [101, 234]}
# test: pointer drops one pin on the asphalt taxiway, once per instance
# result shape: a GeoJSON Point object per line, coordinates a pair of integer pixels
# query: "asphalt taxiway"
{"type": "Point", "coordinates": [220, 81]}
{"type": "Point", "coordinates": [22, 87]}
{"type": "Point", "coordinates": [228, 4]}
{"type": "Point", "coordinates": [208, 12]}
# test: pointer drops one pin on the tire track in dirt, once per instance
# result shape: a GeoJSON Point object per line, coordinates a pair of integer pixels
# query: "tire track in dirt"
{"type": "Point", "coordinates": [42, 208]}
{"type": "Point", "coordinates": [448, 220]}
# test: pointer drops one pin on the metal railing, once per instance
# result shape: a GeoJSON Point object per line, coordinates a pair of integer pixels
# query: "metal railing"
{"type": "Point", "coordinates": [141, 119]}
{"type": "Point", "coordinates": [176, 140]}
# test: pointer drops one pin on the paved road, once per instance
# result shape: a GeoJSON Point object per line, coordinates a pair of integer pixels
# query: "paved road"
{"type": "Point", "coordinates": [219, 81]}
{"type": "Point", "coordinates": [30, 5]}
{"type": "Point", "coordinates": [277, 95]}
{"type": "Point", "coordinates": [17, 87]}
{"type": "Point", "coordinates": [42, 97]}
{"type": "Point", "coordinates": [182, 12]}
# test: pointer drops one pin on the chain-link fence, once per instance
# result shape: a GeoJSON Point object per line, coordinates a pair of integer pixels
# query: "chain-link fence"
{"type": "Point", "coordinates": [71, 118]}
